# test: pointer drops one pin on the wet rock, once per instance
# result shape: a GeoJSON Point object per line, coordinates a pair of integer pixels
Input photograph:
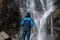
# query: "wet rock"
{"type": "Point", "coordinates": [3, 35]}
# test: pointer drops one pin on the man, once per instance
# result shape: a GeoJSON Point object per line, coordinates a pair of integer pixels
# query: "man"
{"type": "Point", "coordinates": [27, 24]}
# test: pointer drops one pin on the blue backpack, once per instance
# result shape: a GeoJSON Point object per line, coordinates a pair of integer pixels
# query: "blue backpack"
{"type": "Point", "coordinates": [27, 24]}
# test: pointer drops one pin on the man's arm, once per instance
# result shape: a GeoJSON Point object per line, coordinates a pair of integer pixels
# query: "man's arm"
{"type": "Point", "coordinates": [22, 22]}
{"type": "Point", "coordinates": [32, 22]}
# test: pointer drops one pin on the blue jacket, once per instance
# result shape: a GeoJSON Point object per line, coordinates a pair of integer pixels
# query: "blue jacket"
{"type": "Point", "coordinates": [27, 18]}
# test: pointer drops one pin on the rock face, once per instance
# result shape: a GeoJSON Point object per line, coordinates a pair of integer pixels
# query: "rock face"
{"type": "Point", "coordinates": [9, 17]}
{"type": "Point", "coordinates": [56, 24]}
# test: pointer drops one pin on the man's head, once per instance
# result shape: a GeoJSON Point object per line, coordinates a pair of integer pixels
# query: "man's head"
{"type": "Point", "coordinates": [28, 15]}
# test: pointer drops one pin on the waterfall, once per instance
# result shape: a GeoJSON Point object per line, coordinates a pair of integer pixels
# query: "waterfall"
{"type": "Point", "coordinates": [50, 8]}
{"type": "Point", "coordinates": [40, 21]}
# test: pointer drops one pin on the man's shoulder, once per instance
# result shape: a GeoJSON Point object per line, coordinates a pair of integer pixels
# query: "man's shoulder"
{"type": "Point", "coordinates": [27, 18]}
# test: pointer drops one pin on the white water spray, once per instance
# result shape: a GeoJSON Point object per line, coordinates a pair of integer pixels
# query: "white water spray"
{"type": "Point", "coordinates": [40, 22]}
{"type": "Point", "coordinates": [50, 8]}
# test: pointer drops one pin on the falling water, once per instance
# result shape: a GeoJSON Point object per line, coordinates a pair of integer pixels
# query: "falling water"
{"type": "Point", "coordinates": [40, 21]}
{"type": "Point", "coordinates": [50, 8]}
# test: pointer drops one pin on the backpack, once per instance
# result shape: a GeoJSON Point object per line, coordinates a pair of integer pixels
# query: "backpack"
{"type": "Point", "coordinates": [27, 23]}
